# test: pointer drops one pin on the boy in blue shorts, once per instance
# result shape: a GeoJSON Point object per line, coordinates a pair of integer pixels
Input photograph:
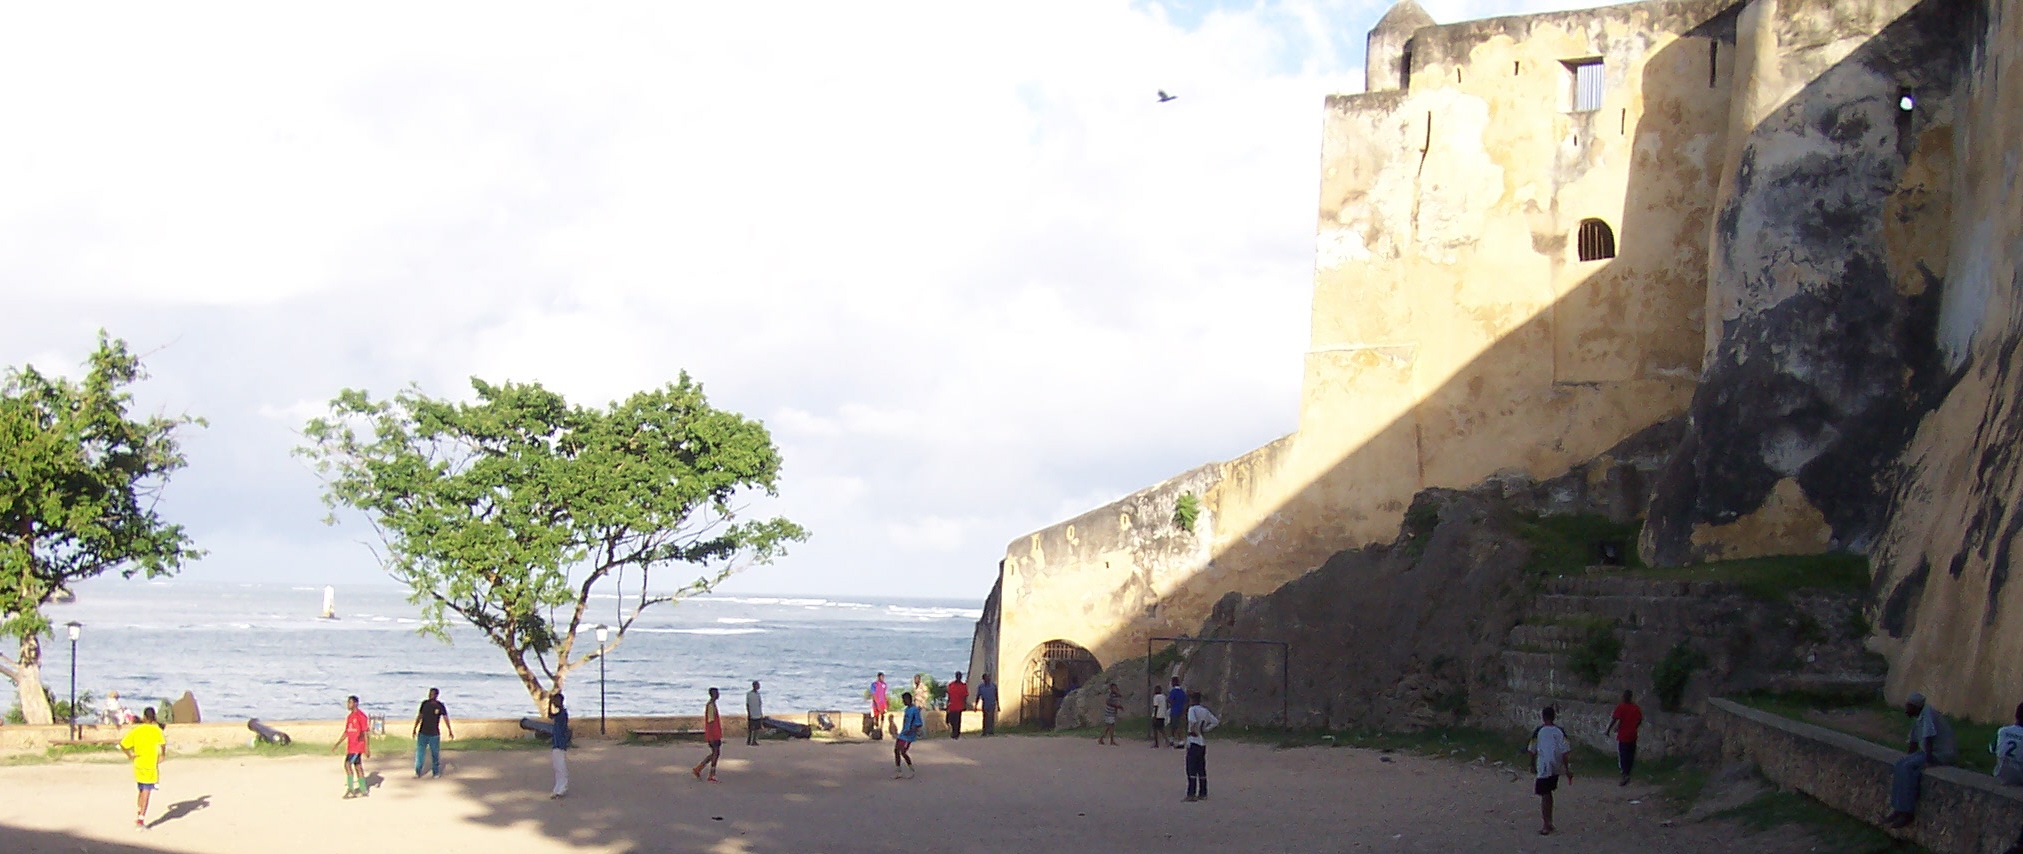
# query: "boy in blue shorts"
{"type": "Point", "coordinates": [909, 730]}
{"type": "Point", "coordinates": [147, 746]}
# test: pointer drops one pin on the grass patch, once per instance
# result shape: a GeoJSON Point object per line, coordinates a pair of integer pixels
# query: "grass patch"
{"type": "Point", "coordinates": [1568, 545]}
{"type": "Point", "coordinates": [1835, 830]}
{"type": "Point", "coordinates": [1772, 579]}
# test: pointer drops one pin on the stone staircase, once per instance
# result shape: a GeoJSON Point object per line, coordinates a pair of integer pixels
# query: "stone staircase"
{"type": "Point", "coordinates": [1812, 641]}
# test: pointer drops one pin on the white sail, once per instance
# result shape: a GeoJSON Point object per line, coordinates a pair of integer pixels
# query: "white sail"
{"type": "Point", "coordinates": [329, 603]}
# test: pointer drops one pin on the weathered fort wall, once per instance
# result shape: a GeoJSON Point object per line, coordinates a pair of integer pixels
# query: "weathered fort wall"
{"type": "Point", "coordinates": [1948, 618]}
{"type": "Point", "coordinates": [1813, 228]}
{"type": "Point", "coordinates": [1457, 333]}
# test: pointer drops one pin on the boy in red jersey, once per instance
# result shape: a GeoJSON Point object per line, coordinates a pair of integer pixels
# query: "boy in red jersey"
{"type": "Point", "coordinates": [1624, 723]}
{"type": "Point", "coordinates": [356, 748]}
{"type": "Point", "coordinates": [712, 732]}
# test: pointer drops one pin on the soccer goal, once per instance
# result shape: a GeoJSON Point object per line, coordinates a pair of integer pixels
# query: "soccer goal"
{"type": "Point", "coordinates": [1284, 669]}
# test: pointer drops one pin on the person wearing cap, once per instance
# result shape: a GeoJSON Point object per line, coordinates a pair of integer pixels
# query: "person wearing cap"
{"type": "Point", "coordinates": [1931, 743]}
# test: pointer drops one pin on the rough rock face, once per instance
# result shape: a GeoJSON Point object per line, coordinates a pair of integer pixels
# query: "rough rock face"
{"type": "Point", "coordinates": [1949, 619]}
{"type": "Point", "coordinates": [1827, 267]}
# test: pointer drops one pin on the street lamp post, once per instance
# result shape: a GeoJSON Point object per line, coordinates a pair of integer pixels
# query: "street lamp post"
{"type": "Point", "coordinates": [603, 634]}
{"type": "Point", "coordinates": [75, 627]}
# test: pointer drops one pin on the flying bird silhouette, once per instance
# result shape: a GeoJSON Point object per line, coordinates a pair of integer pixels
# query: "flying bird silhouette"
{"type": "Point", "coordinates": [1163, 97]}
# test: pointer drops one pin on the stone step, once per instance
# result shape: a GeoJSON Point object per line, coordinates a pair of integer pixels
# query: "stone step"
{"type": "Point", "coordinates": [1618, 585]}
{"type": "Point", "coordinates": [1547, 675]}
{"type": "Point", "coordinates": [1633, 611]}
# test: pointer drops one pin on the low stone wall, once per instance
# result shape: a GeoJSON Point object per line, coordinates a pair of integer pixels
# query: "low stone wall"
{"type": "Point", "coordinates": [190, 738]}
{"type": "Point", "coordinates": [1958, 811]}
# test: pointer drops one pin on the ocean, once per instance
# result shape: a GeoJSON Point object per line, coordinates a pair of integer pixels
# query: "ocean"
{"type": "Point", "coordinates": [260, 650]}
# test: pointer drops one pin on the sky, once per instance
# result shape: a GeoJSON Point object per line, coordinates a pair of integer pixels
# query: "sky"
{"type": "Point", "coordinates": [957, 257]}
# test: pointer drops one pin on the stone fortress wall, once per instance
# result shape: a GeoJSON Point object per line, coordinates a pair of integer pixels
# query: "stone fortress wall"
{"type": "Point", "coordinates": [1540, 235]}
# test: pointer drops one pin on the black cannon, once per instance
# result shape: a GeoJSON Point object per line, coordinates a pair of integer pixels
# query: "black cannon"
{"type": "Point", "coordinates": [268, 734]}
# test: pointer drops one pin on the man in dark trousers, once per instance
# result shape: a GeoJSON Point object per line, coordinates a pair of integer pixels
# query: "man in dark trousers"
{"type": "Point", "coordinates": [1624, 723]}
{"type": "Point", "coordinates": [1176, 714]}
{"type": "Point", "coordinates": [958, 698]}
{"type": "Point", "coordinates": [986, 700]}
{"type": "Point", "coordinates": [755, 715]}
{"type": "Point", "coordinates": [429, 724]}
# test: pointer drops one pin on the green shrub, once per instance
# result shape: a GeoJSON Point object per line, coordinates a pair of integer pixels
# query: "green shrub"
{"type": "Point", "coordinates": [1454, 703]}
{"type": "Point", "coordinates": [1595, 657]}
{"type": "Point", "coordinates": [1566, 545]}
{"type": "Point", "coordinates": [1669, 678]}
{"type": "Point", "coordinates": [1185, 511]}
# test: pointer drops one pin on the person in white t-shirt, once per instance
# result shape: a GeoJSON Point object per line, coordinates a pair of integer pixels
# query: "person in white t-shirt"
{"type": "Point", "coordinates": [2009, 751]}
{"type": "Point", "coordinates": [1158, 719]}
{"type": "Point", "coordinates": [1199, 721]}
{"type": "Point", "coordinates": [755, 713]}
{"type": "Point", "coordinates": [1550, 746]}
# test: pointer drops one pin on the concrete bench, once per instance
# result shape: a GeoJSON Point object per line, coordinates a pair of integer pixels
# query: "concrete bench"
{"type": "Point", "coordinates": [1958, 810]}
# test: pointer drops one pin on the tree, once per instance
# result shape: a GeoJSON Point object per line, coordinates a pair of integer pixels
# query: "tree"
{"type": "Point", "coordinates": [79, 483]}
{"type": "Point", "coordinates": [503, 510]}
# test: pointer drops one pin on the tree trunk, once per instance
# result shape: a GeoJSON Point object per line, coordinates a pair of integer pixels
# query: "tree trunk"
{"type": "Point", "coordinates": [535, 689]}
{"type": "Point", "coordinates": [28, 678]}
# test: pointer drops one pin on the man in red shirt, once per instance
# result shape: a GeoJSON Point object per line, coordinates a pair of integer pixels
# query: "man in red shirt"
{"type": "Point", "coordinates": [1624, 723]}
{"type": "Point", "coordinates": [356, 750]}
{"type": "Point", "coordinates": [958, 696]}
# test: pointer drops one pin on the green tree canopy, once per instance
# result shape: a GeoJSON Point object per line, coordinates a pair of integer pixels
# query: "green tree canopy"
{"type": "Point", "coordinates": [79, 484]}
{"type": "Point", "coordinates": [506, 509]}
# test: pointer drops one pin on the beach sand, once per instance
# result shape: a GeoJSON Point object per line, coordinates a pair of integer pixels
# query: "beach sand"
{"type": "Point", "coordinates": [1008, 793]}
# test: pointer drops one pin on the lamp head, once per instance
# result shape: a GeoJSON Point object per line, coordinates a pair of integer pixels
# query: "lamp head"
{"type": "Point", "coordinates": [74, 627]}
{"type": "Point", "coordinates": [603, 634]}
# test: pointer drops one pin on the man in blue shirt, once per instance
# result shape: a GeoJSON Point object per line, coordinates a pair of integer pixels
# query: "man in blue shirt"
{"type": "Point", "coordinates": [1176, 714]}
{"type": "Point", "coordinates": [986, 699]}
{"type": "Point", "coordinates": [558, 744]}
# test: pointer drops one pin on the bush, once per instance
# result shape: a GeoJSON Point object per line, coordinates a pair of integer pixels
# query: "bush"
{"type": "Point", "coordinates": [1669, 678]}
{"type": "Point", "coordinates": [59, 709]}
{"type": "Point", "coordinates": [1185, 511]}
{"type": "Point", "coordinates": [1595, 658]}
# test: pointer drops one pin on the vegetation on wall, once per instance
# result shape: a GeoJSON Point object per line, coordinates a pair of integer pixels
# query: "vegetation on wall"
{"type": "Point", "coordinates": [1669, 678]}
{"type": "Point", "coordinates": [1594, 658]}
{"type": "Point", "coordinates": [1185, 511]}
{"type": "Point", "coordinates": [1565, 545]}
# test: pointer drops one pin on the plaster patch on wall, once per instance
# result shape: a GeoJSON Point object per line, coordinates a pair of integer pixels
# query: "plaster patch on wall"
{"type": "Point", "coordinates": [1787, 523]}
{"type": "Point", "coordinates": [1963, 307]}
{"type": "Point", "coordinates": [1336, 247]}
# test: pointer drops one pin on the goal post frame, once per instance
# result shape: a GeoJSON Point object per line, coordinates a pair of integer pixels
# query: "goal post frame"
{"type": "Point", "coordinates": [1284, 671]}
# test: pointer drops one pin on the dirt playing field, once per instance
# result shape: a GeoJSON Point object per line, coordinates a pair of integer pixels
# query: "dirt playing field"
{"type": "Point", "coordinates": [1009, 794]}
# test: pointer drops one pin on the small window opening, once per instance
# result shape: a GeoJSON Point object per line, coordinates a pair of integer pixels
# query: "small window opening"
{"type": "Point", "coordinates": [1713, 63]}
{"type": "Point", "coordinates": [1595, 240]}
{"type": "Point", "coordinates": [1515, 68]}
{"type": "Point", "coordinates": [1588, 85]}
{"type": "Point", "coordinates": [1405, 70]}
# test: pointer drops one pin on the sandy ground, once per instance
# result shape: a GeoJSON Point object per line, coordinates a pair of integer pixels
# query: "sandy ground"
{"type": "Point", "coordinates": [1010, 794]}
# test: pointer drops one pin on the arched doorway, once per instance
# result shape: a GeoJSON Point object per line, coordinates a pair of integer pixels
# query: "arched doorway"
{"type": "Point", "coordinates": [1052, 670]}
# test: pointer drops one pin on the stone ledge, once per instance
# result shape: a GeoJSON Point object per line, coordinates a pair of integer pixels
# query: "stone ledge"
{"type": "Point", "coordinates": [1958, 811]}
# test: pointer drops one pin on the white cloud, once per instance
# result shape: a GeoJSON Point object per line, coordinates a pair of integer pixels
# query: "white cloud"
{"type": "Point", "coordinates": [966, 267]}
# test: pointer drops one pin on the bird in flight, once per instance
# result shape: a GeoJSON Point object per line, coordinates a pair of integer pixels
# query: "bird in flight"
{"type": "Point", "coordinates": [1163, 97]}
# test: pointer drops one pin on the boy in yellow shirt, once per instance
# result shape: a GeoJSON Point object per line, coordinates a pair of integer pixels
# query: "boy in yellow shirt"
{"type": "Point", "coordinates": [147, 746]}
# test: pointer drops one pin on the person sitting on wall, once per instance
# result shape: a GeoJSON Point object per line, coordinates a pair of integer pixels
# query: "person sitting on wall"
{"type": "Point", "coordinates": [2009, 751]}
{"type": "Point", "coordinates": [1931, 743]}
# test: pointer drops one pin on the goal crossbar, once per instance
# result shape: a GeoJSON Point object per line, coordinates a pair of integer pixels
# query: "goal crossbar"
{"type": "Point", "coordinates": [1284, 669]}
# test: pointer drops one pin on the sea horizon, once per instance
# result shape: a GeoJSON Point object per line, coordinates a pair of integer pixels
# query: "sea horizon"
{"type": "Point", "coordinates": [259, 649]}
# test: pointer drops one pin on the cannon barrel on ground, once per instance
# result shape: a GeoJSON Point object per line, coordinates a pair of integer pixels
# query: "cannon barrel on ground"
{"type": "Point", "coordinates": [537, 725]}
{"type": "Point", "coordinates": [268, 734]}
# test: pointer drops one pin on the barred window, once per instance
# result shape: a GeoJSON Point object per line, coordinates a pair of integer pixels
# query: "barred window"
{"type": "Point", "coordinates": [1588, 85]}
{"type": "Point", "coordinates": [1595, 240]}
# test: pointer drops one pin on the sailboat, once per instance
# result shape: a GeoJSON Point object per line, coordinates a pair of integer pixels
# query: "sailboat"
{"type": "Point", "coordinates": [329, 603]}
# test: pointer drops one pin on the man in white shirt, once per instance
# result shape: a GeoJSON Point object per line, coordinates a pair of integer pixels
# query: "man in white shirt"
{"type": "Point", "coordinates": [1551, 747]}
{"type": "Point", "coordinates": [2009, 751]}
{"type": "Point", "coordinates": [1158, 719]}
{"type": "Point", "coordinates": [1199, 721]}
{"type": "Point", "coordinates": [754, 711]}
